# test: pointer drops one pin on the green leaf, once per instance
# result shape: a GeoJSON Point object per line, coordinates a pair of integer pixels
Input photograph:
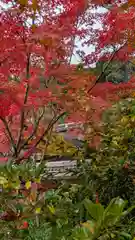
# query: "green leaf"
{"type": "Point", "coordinates": [96, 211]}
{"type": "Point", "coordinates": [114, 211]}
{"type": "Point", "coordinates": [62, 119]}
{"type": "Point", "coordinates": [122, 161]}
{"type": "Point", "coordinates": [128, 210]}
{"type": "Point", "coordinates": [40, 169]}
{"type": "Point", "coordinates": [125, 235]}
{"type": "Point", "coordinates": [80, 233]}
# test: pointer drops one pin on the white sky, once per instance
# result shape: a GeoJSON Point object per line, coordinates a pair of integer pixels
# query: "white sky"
{"type": "Point", "coordinates": [88, 50]}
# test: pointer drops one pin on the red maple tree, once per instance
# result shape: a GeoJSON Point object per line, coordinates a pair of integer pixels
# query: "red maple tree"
{"type": "Point", "coordinates": [37, 41]}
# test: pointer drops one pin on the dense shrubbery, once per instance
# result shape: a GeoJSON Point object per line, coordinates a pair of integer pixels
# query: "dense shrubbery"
{"type": "Point", "coordinates": [116, 158]}
{"type": "Point", "coordinates": [99, 206]}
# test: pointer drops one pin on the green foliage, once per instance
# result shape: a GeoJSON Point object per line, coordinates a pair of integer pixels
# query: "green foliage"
{"type": "Point", "coordinates": [42, 232]}
{"type": "Point", "coordinates": [116, 72]}
{"type": "Point", "coordinates": [66, 213]}
{"type": "Point", "coordinates": [19, 200]}
{"type": "Point", "coordinates": [100, 206]}
{"type": "Point", "coordinates": [101, 223]}
{"type": "Point", "coordinates": [113, 168]}
{"type": "Point", "coordinates": [102, 220]}
{"type": "Point", "coordinates": [116, 183]}
{"type": "Point", "coordinates": [118, 142]}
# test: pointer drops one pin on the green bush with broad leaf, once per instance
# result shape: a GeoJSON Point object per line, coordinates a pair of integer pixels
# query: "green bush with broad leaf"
{"type": "Point", "coordinates": [103, 223]}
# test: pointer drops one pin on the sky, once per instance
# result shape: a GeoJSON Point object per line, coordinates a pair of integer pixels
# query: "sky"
{"type": "Point", "coordinates": [88, 50]}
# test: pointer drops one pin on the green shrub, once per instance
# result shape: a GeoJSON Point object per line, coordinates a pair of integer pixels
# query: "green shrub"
{"type": "Point", "coordinates": [118, 142]}
{"type": "Point", "coordinates": [115, 161]}
{"type": "Point", "coordinates": [91, 209]}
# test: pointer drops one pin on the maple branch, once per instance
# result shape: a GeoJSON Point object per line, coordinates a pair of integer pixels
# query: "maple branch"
{"type": "Point", "coordinates": [106, 67]}
{"type": "Point", "coordinates": [73, 38]}
{"type": "Point", "coordinates": [50, 125]}
{"type": "Point", "coordinates": [25, 100]}
{"type": "Point", "coordinates": [9, 135]}
{"type": "Point", "coordinates": [33, 133]}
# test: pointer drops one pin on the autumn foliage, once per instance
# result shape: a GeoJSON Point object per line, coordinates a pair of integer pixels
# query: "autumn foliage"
{"type": "Point", "coordinates": [40, 87]}
{"type": "Point", "coordinates": [35, 40]}
{"type": "Point", "coordinates": [38, 83]}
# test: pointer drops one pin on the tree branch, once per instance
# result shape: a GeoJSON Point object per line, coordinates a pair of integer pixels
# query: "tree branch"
{"type": "Point", "coordinates": [33, 133]}
{"type": "Point", "coordinates": [25, 100]}
{"type": "Point", "coordinates": [50, 125]}
{"type": "Point", "coordinates": [106, 67]}
{"type": "Point", "coordinates": [9, 135]}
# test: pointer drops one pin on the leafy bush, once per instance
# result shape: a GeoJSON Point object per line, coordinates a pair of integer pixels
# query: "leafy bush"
{"type": "Point", "coordinates": [101, 223]}
{"type": "Point", "coordinates": [114, 164]}
{"type": "Point", "coordinates": [99, 206]}
{"type": "Point", "coordinates": [118, 142]}
{"type": "Point", "coordinates": [64, 213]}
